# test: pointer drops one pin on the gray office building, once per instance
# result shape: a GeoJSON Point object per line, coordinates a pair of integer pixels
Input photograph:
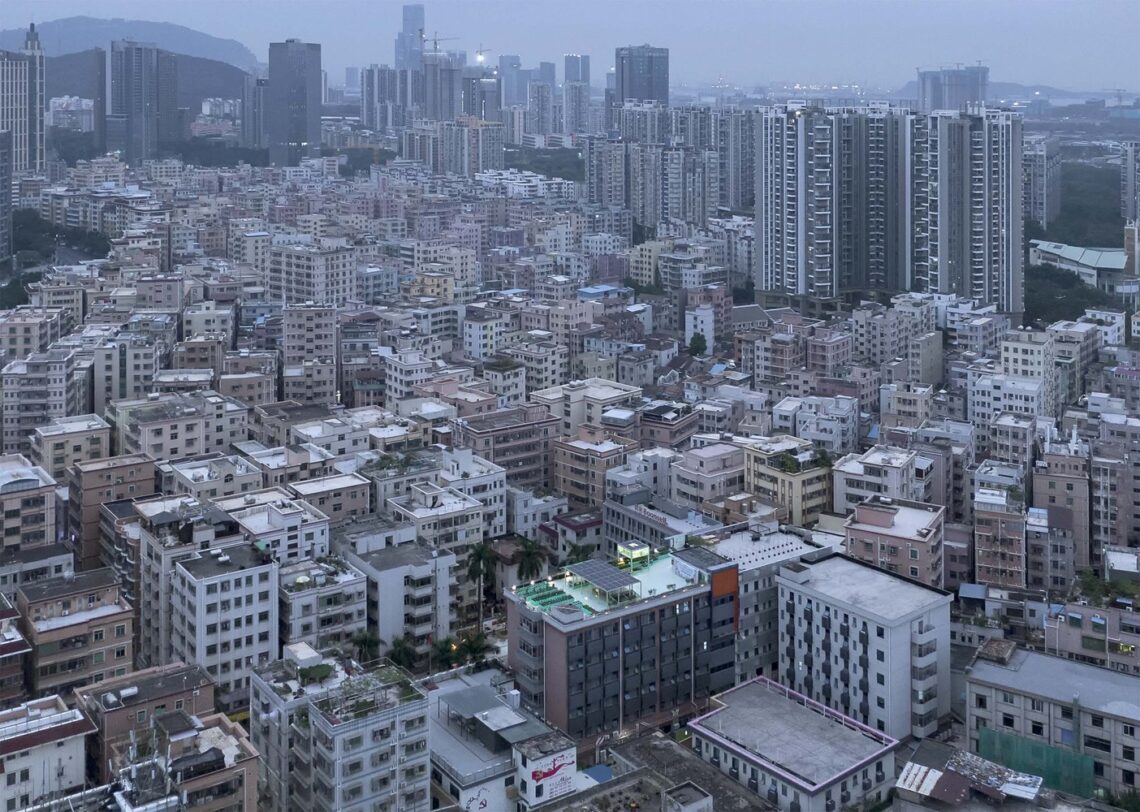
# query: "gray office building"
{"type": "Point", "coordinates": [144, 100]}
{"type": "Point", "coordinates": [577, 68]}
{"type": "Point", "coordinates": [954, 88]}
{"type": "Point", "coordinates": [510, 69]}
{"type": "Point", "coordinates": [443, 85]}
{"type": "Point", "coordinates": [642, 74]}
{"type": "Point", "coordinates": [5, 199]}
{"type": "Point", "coordinates": [409, 42]}
{"type": "Point", "coordinates": [253, 113]}
{"type": "Point", "coordinates": [22, 103]}
{"type": "Point", "coordinates": [293, 109]}
{"type": "Point", "coordinates": [599, 647]}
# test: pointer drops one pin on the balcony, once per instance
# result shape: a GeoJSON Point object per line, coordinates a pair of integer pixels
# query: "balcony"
{"type": "Point", "coordinates": [923, 634]}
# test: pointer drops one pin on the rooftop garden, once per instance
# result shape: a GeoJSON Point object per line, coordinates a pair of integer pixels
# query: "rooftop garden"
{"type": "Point", "coordinates": [1099, 592]}
{"type": "Point", "coordinates": [315, 674]}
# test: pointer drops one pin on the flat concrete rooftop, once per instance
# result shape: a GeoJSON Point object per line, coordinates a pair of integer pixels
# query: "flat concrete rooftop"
{"type": "Point", "coordinates": [809, 742]}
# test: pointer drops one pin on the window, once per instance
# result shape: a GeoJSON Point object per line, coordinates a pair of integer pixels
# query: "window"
{"type": "Point", "coordinates": [121, 630]}
{"type": "Point", "coordinates": [1007, 697]}
{"type": "Point", "coordinates": [1128, 753]}
{"type": "Point", "coordinates": [979, 701]}
{"type": "Point", "coordinates": [1007, 720]}
{"type": "Point", "coordinates": [1097, 721]}
{"type": "Point", "coordinates": [1097, 743]}
{"type": "Point", "coordinates": [1038, 729]}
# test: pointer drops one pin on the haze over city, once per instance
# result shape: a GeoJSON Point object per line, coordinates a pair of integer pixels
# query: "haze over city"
{"type": "Point", "coordinates": [587, 406]}
{"type": "Point", "coordinates": [1080, 46]}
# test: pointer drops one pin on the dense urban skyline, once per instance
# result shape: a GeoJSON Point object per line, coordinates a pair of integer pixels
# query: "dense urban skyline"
{"type": "Point", "coordinates": [404, 425]}
{"type": "Point", "coordinates": [877, 43]}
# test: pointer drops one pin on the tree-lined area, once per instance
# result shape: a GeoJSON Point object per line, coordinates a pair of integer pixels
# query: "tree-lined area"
{"type": "Point", "coordinates": [1090, 209]}
{"type": "Point", "coordinates": [567, 164]}
{"type": "Point", "coordinates": [1052, 294]}
{"type": "Point", "coordinates": [34, 239]}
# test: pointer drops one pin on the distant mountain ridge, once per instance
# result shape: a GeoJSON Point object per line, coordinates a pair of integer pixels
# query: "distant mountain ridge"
{"type": "Point", "coordinates": [1003, 90]}
{"type": "Point", "coordinates": [73, 34]}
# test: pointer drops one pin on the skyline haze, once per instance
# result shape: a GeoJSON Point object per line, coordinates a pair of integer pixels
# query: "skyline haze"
{"type": "Point", "coordinates": [747, 43]}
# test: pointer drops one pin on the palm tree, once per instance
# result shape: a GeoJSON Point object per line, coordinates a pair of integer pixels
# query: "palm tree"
{"type": "Point", "coordinates": [481, 568]}
{"type": "Point", "coordinates": [443, 653]}
{"type": "Point", "coordinates": [403, 652]}
{"type": "Point", "coordinates": [367, 645]}
{"type": "Point", "coordinates": [472, 647]}
{"type": "Point", "coordinates": [532, 560]}
{"type": "Point", "coordinates": [578, 553]}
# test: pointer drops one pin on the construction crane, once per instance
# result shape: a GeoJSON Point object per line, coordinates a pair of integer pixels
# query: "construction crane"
{"type": "Point", "coordinates": [435, 40]}
{"type": "Point", "coordinates": [479, 53]}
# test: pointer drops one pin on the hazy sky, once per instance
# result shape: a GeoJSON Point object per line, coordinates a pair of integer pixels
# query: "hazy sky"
{"type": "Point", "coordinates": [1085, 44]}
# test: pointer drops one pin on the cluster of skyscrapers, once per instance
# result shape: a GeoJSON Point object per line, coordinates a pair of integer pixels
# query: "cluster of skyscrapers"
{"type": "Point", "coordinates": [847, 198]}
{"type": "Point", "coordinates": [882, 198]}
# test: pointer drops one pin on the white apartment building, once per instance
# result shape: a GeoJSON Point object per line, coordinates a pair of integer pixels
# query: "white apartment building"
{"type": "Point", "coordinates": [971, 158]}
{"type": "Point", "coordinates": [1080, 708]}
{"type": "Point", "coordinates": [279, 524]}
{"type": "Point", "coordinates": [474, 476]}
{"type": "Point", "coordinates": [507, 379]}
{"type": "Point", "coordinates": [410, 592]}
{"type": "Point", "coordinates": [341, 497]}
{"type": "Point", "coordinates": [27, 329]}
{"type": "Point", "coordinates": [451, 522]}
{"type": "Point", "coordinates": [547, 362]}
{"type": "Point", "coordinates": [324, 274]}
{"type": "Point", "coordinates": [992, 395]}
{"type": "Point", "coordinates": [36, 390]}
{"type": "Point", "coordinates": [330, 733]}
{"type": "Point", "coordinates": [1032, 354]}
{"type": "Point", "coordinates": [483, 332]}
{"type": "Point", "coordinates": [225, 617]}
{"type": "Point", "coordinates": [830, 423]}
{"type": "Point", "coordinates": [323, 603]}
{"type": "Point", "coordinates": [527, 508]}
{"type": "Point", "coordinates": [585, 401]}
{"type": "Point", "coordinates": [334, 435]}
{"type": "Point", "coordinates": [404, 370]}
{"type": "Point", "coordinates": [309, 353]}
{"type": "Point", "coordinates": [28, 502]}
{"type": "Point", "coordinates": [44, 745]}
{"type": "Point", "coordinates": [707, 473]}
{"type": "Point", "coordinates": [701, 320]}
{"type": "Point", "coordinates": [867, 643]}
{"type": "Point", "coordinates": [208, 318]}
{"type": "Point", "coordinates": [747, 733]}
{"type": "Point", "coordinates": [252, 248]}
{"type": "Point", "coordinates": [211, 477]}
{"type": "Point", "coordinates": [882, 471]}
{"type": "Point", "coordinates": [67, 440]}
{"type": "Point", "coordinates": [171, 529]}
{"type": "Point", "coordinates": [1041, 167]}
